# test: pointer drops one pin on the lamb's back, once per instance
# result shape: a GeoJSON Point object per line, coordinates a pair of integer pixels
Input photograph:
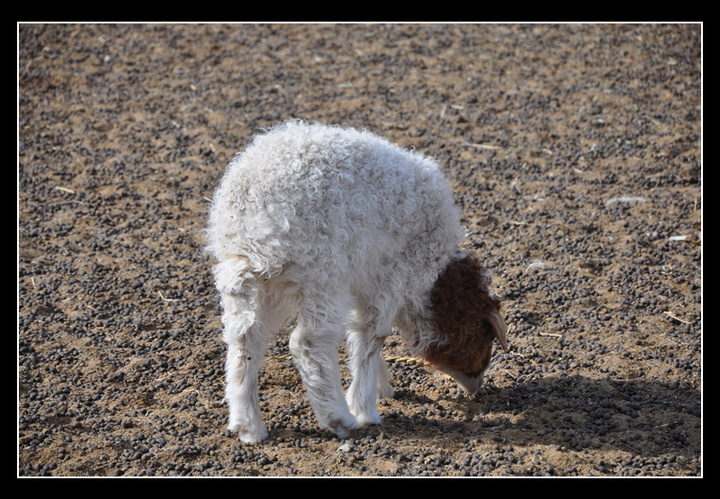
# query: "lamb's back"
{"type": "Point", "coordinates": [322, 195]}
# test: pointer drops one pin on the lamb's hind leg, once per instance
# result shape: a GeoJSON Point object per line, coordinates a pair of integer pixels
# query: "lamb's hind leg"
{"type": "Point", "coordinates": [247, 333]}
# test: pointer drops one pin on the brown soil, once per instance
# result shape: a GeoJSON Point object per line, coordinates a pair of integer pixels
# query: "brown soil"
{"type": "Point", "coordinates": [574, 151]}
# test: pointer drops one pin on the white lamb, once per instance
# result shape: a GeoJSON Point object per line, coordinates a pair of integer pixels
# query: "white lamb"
{"type": "Point", "coordinates": [351, 234]}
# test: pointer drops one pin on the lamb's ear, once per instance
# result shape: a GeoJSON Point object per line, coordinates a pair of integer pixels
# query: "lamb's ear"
{"type": "Point", "coordinates": [499, 328]}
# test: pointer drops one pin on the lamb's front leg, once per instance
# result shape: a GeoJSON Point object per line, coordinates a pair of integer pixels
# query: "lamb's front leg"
{"type": "Point", "coordinates": [384, 388]}
{"type": "Point", "coordinates": [370, 377]}
{"type": "Point", "coordinates": [315, 352]}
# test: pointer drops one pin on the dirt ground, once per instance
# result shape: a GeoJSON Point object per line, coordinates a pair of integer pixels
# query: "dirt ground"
{"type": "Point", "coordinates": [575, 155]}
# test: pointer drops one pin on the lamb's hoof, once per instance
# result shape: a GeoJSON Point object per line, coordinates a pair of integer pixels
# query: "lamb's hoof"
{"type": "Point", "coordinates": [343, 429]}
{"type": "Point", "coordinates": [369, 419]}
{"type": "Point", "coordinates": [249, 435]}
{"type": "Point", "coordinates": [386, 392]}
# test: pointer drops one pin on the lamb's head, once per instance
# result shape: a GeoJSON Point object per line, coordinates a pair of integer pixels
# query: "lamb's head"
{"type": "Point", "coordinates": [466, 318]}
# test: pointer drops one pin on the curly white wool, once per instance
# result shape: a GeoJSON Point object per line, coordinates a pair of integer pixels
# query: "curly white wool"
{"type": "Point", "coordinates": [333, 207]}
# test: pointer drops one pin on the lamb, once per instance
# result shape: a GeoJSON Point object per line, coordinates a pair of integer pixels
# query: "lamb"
{"type": "Point", "coordinates": [349, 234]}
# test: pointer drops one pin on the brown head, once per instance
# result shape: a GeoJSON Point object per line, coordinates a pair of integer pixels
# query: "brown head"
{"type": "Point", "coordinates": [467, 318]}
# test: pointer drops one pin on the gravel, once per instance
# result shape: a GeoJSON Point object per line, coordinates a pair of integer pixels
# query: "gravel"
{"type": "Point", "coordinates": [574, 153]}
